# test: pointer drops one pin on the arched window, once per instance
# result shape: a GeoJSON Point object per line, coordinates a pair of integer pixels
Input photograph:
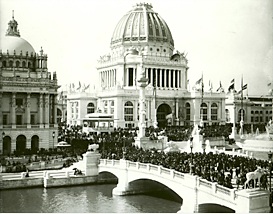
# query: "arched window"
{"type": "Point", "coordinates": [214, 111]}
{"type": "Point", "coordinates": [227, 116]}
{"type": "Point", "coordinates": [188, 111]}
{"type": "Point", "coordinates": [24, 64]}
{"type": "Point", "coordinates": [10, 64]}
{"type": "Point", "coordinates": [90, 108]}
{"type": "Point", "coordinates": [128, 111]}
{"type": "Point", "coordinates": [17, 64]}
{"type": "Point", "coordinates": [204, 111]}
{"type": "Point", "coordinates": [29, 65]}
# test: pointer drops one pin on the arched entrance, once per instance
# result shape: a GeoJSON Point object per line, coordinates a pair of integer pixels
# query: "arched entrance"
{"type": "Point", "coordinates": [6, 145]}
{"type": "Point", "coordinates": [162, 112]}
{"type": "Point", "coordinates": [34, 143]}
{"type": "Point", "coordinates": [21, 142]}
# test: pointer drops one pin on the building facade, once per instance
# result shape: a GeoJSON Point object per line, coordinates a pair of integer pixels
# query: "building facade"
{"type": "Point", "coordinates": [28, 96]}
{"type": "Point", "coordinates": [255, 110]}
{"type": "Point", "coordinates": [142, 42]}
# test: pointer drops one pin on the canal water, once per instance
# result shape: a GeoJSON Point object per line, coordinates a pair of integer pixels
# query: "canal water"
{"type": "Point", "coordinates": [81, 199]}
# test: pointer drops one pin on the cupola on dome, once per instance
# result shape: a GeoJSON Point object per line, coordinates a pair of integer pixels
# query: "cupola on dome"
{"type": "Point", "coordinates": [12, 43]}
{"type": "Point", "coordinates": [141, 25]}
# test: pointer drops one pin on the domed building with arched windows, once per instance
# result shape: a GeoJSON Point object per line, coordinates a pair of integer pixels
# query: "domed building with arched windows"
{"type": "Point", "coordinates": [28, 95]}
{"type": "Point", "coordinates": [143, 42]}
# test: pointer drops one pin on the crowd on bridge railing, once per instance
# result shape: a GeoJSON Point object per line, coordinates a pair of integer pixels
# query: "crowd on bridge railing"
{"type": "Point", "coordinates": [212, 167]}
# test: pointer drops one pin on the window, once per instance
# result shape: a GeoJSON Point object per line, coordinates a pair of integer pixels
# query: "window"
{"type": "Point", "coordinates": [19, 101]}
{"type": "Point", "coordinates": [188, 111]}
{"type": "Point", "coordinates": [32, 119]}
{"type": "Point", "coordinates": [128, 111]}
{"type": "Point", "coordinates": [19, 120]}
{"type": "Point", "coordinates": [105, 108]}
{"type": "Point", "coordinates": [112, 107]}
{"type": "Point", "coordinates": [17, 64]}
{"type": "Point", "coordinates": [204, 111]}
{"type": "Point", "coordinates": [227, 116]}
{"type": "Point", "coordinates": [214, 111]}
{"type": "Point", "coordinates": [5, 119]}
{"type": "Point", "coordinates": [90, 108]}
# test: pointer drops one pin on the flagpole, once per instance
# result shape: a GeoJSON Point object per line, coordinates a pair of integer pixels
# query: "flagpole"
{"type": "Point", "coordinates": [202, 94]}
{"type": "Point", "coordinates": [242, 97]}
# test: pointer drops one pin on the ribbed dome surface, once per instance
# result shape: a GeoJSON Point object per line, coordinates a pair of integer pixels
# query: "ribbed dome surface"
{"type": "Point", "coordinates": [141, 24]}
{"type": "Point", "coordinates": [17, 44]}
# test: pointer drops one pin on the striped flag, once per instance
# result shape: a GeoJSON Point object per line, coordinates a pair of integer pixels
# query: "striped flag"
{"type": "Point", "coordinates": [243, 88]}
{"type": "Point", "coordinates": [232, 85]}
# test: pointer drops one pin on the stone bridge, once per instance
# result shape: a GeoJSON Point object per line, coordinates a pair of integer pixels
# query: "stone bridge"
{"type": "Point", "coordinates": [193, 190]}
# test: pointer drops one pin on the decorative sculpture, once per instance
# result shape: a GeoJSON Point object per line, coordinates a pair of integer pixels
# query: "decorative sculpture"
{"type": "Point", "coordinates": [257, 174]}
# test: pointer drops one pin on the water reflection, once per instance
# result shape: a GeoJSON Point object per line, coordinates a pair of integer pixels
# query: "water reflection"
{"type": "Point", "coordinates": [82, 199]}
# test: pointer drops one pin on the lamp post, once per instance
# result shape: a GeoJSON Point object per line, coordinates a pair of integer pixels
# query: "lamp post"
{"type": "Point", "coordinates": [270, 170]}
{"type": "Point", "coordinates": [53, 136]}
{"type": "Point", "coordinates": [191, 146]}
{"type": "Point", "coordinates": [204, 146]}
{"type": "Point", "coordinates": [3, 135]}
{"type": "Point", "coordinates": [123, 149]}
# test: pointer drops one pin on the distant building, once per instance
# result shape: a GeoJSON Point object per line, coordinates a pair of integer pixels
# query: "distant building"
{"type": "Point", "coordinates": [250, 109]}
{"type": "Point", "coordinates": [142, 42]}
{"type": "Point", "coordinates": [28, 96]}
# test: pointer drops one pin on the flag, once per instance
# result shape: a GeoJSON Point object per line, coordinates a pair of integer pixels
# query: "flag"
{"type": "Point", "coordinates": [210, 85]}
{"type": "Point", "coordinates": [79, 86]}
{"type": "Point", "coordinates": [231, 85]}
{"type": "Point", "coordinates": [243, 88]}
{"type": "Point", "coordinates": [61, 95]}
{"type": "Point", "coordinates": [199, 84]}
{"type": "Point", "coordinates": [220, 87]}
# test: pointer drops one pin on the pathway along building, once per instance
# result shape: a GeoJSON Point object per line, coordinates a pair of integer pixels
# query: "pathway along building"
{"type": "Point", "coordinates": [142, 40]}
{"type": "Point", "coordinates": [28, 95]}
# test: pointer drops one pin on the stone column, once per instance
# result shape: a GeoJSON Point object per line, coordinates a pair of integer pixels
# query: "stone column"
{"type": "Point", "coordinates": [173, 80]}
{"type": "Point", "coordinates": [28, 110]}
{"type": "Point", "coordinates": [41, 110]}
{"type": "Point", "coordinates": [46, 110]}
{"type": "Point", "coordinates": [55, 109]}
{"type": "Point", "coordinates": [13, 105]}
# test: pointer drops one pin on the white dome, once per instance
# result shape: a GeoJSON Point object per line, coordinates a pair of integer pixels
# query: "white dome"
{"type": "Point", "coordinates": [14, 43]}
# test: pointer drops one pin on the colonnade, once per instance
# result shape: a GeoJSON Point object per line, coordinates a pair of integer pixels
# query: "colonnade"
{"type": "Point", "coordinates": [162, 78]}
{"type": "Point", "coordinates": [46, 108]}
{"type": "Point", "coordinates": [108, 78]}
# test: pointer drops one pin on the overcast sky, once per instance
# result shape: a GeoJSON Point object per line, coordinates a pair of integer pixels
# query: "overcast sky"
{"type": "Point", "coordinates": [224, 39]}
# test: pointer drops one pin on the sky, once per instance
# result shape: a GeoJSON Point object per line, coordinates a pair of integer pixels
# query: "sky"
{"type": "Point", "coordinates": [223, 39]}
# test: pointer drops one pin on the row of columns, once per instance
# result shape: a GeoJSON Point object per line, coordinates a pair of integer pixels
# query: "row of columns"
{"type": "Point", "coordinates": [165, 78]}
{"type": "Point", "coordinates": [47, 108]}
{"type": "Point", "coordinates": [108, 78]}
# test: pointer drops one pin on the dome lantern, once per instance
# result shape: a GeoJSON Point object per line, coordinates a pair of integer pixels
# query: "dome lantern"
{"type": "Point", "coordinates": [12, 29]}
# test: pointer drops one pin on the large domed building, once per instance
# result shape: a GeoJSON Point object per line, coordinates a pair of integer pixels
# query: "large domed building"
{"type": "Point", "coordinates": [143, 42]}
{"type": "Point", "coordinates": [28, 95]}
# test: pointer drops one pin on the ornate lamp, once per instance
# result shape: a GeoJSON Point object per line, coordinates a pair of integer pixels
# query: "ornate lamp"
{"type": "Point", "coordinates": [53, 136]}
{"type": "Point", "coordinates": [191, 146]}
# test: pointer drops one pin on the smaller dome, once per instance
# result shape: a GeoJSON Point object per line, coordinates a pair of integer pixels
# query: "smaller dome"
{"type": "Point", "coordinates": [13, 43]}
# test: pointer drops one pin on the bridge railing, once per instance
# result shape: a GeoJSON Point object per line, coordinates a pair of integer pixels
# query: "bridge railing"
{"type": "Point", "coordinates": [202, 184]}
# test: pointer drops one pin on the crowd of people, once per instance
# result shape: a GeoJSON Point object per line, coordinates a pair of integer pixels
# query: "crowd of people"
{"type": "Point", "coordinates": [119, 144]}
{"type": "Point", "coordinates": [212, 167]}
